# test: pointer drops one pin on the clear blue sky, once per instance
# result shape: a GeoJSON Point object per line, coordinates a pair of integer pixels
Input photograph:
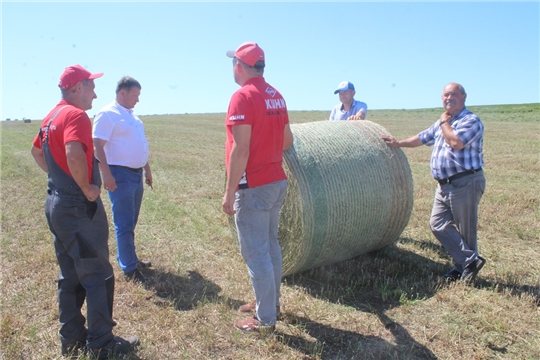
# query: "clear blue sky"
{"type": "Point", "coordinates": [399, 55]}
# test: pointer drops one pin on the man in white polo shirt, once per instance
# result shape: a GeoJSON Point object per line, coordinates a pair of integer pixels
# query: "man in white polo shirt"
{"type": "Point", "coordinates": [348, 108]}
{"type": "Point", "coordinates": [122, 151]}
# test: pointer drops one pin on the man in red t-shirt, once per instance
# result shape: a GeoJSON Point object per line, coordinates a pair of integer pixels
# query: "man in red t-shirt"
{"type": "Point", "coordinates": [76, 217]}
{"type": "Point", "coordinates": [258, 131]}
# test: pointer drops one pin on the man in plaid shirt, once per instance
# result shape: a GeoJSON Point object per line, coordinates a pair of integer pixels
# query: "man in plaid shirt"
{"type": "Point", "coordinates": [456, 164]}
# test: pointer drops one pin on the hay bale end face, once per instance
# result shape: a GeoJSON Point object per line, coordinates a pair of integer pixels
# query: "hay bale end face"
{"type": "Point", "coordinates": [348, 194]}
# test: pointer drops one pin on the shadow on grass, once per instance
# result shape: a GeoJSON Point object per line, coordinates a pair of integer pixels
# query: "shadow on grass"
{"type": "Point", "coordinates": [387, 277]}
{"type": "Point", "coordinates": [375, 283]}
{"type": "Point", "coordinates": [332, 343]}
{"type": "Point", "coordinates": [372, 283]}
{"type": "Point", "coordinates": [515, 290]}
{"type": "Point", "coordinates": [422, 245]}
{"type": "Point", "coordinates": [184, 291]}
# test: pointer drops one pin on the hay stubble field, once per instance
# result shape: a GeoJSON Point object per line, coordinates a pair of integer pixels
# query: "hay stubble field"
{"type": "Point", "coordinates": [389, 304]}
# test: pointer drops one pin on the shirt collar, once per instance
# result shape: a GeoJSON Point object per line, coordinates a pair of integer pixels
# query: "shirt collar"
{"type": "Point", "coordinates": [460, 114]}
{"type": "Point", "coordinates": [352, 105]}
{"type": "Point", "coordinates": [124, 108]}
{"type": "Point", "coordinates": [254, 80]}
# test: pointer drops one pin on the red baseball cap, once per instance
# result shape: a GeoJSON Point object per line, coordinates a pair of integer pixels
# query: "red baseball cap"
{"type": "Point", "coordinates": [74, 74]}
{"type": "Point", "coordinates": [249, 53]}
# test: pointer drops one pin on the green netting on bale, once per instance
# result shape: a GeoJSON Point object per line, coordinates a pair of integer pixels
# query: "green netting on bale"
{"type": "Point", "coordinates": [349, 194]}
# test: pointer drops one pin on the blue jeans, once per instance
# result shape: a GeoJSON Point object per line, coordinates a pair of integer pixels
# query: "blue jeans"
{"type": "Point", "coordinates": [126, 203]}
{"type": "Point", "coordinates": [81, 235]}
{"type": "Point", "coordinates": [257, 220]}
{"type": "Point", "coordinates": [454, 217]}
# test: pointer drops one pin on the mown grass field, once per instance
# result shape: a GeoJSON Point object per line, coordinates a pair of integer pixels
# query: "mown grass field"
{"type": "Point", "coordinates": [390, 304]}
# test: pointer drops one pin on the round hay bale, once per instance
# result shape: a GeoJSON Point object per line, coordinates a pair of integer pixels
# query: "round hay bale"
{"type": "Point", "coordinates": [349, 194]}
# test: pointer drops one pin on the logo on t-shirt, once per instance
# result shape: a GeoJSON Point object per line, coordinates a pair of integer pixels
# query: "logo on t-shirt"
{"type": "Point", "coordinates": [275, 104]}
{"type": "Point", "coordinates": [271, 91]}
{"type": "Point", "coordinates": [236, 117]}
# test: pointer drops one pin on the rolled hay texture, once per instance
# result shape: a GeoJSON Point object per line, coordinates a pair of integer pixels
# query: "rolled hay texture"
{"type": "Point", "coordinates": [348, 194]}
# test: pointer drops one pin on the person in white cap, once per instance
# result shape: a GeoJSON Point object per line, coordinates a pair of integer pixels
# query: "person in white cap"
{"type": "Point", "coordinates": [349, 108]}
{"type": "Point", "coordinates": [258, 131]}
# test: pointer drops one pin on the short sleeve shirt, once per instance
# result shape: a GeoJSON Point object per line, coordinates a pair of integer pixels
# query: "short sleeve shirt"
{"type": "Point", "coordinates": [447, 161]}
{"type": "Point", "coordinates": [260, 105]}
{"type": "Point", "coordinates": [71, 124]}
{"type": "Point", "coordinates": [124, 132]}
{"type": "Point", "coordinates": [338, 113]}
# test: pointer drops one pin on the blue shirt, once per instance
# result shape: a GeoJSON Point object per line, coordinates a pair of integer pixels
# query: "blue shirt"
{"type": "Point", "coordinates": [338, 113]}
{"type": "Point", "coordinates": [446, 161]}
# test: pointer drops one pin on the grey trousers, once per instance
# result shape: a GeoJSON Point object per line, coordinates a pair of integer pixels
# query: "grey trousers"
{"type": "Point", "coordinates": [257, 219]}
{"type": "Point", "coordinates": [454, 217]}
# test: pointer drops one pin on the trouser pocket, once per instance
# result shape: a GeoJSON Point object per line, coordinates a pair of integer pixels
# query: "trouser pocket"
{"type": "Point", "coordinates": [91, 208]}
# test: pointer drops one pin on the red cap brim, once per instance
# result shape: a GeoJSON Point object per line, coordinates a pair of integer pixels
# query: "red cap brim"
{"type": "Point", "coordinates": [95, 76]}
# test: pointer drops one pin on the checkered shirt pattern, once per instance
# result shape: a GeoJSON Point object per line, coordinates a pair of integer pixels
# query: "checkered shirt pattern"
{"type": "Point", "coordinates": [446, 161]}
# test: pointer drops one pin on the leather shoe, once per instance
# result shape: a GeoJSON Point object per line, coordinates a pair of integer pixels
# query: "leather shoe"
{"type": "Point", "coordinates": [452, 275]}
{"type": "Point", "coordinates": [116, 347]}
{"type": "Point", "coordinates": [144, 264]}
{"type": "Point", "coordinates": [469, 273]}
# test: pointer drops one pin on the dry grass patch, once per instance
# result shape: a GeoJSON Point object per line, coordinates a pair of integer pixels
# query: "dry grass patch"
{"type": "Point", "coordinates": [390, 304]}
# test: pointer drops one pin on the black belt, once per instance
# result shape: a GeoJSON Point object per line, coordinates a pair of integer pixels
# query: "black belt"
{"type": "Point", "coordinates": [457, 176]}
{"type": "Point", "coordinates": [137, 170]}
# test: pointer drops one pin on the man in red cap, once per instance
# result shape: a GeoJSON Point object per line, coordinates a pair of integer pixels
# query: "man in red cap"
{"type": "Point", "coordinates": [76, 217]}
{"type": "Point", "coordinates": [258, 131]}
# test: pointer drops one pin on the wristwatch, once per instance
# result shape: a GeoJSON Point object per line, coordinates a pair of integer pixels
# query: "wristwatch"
{"type": "Point", "coordinates": [442, 122]}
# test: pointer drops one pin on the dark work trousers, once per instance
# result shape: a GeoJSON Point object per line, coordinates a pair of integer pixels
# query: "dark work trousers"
{"type": "Point", "coordinates": [81, 233]}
